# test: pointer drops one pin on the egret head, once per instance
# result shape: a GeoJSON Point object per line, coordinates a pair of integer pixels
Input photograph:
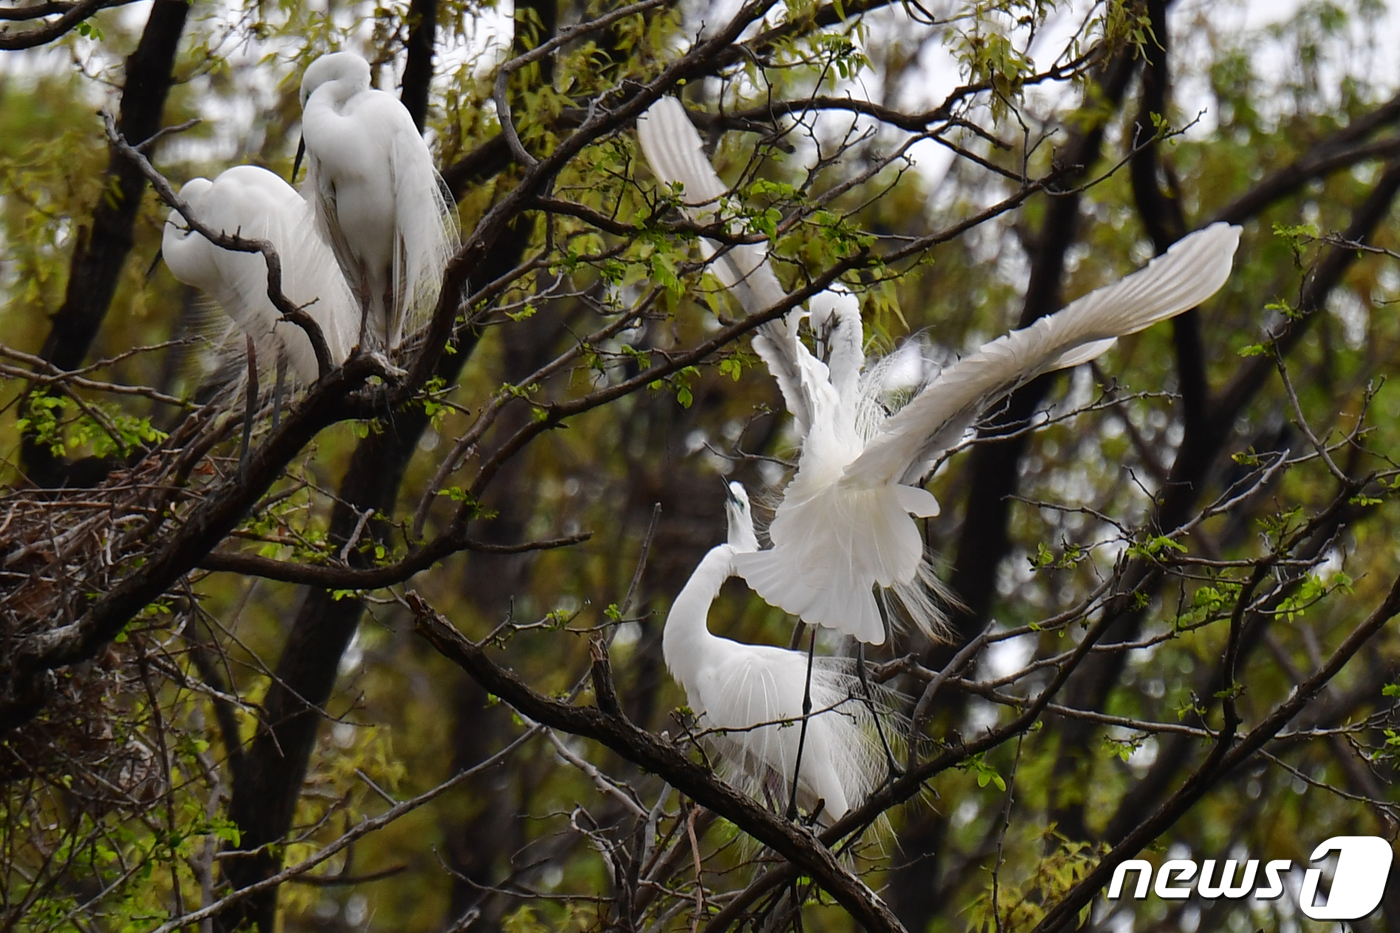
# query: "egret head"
{"type": "Point", "coordinates": [189, 257]}
{"type": "Point", "coordinates": [346, 67]}
{"type": "Point", "coordinates": [736, 508]}
{"type": "Point", "coordinates": [826, 308]}
{"type": "Point", "coordinates": [193, 193]}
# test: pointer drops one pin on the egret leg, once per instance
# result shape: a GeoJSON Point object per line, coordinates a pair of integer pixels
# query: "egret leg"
{"type": "Point", "coordinates": [793, 915]}
{"type": "Point", "coordinates": [895, 769]}
{"type": "Point", "coordinates": [364, 312]}
{"type": "Point", "coordinates": [278, 389]}
{"type": "Point", "coordinates": [802, 736]}
{"type": "Point", "coordinates": [250, 408]}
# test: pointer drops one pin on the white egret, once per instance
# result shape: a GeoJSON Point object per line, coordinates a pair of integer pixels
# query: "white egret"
{"type": "Point", "coordinates": [752, 694]}
{"type": "Point", "coordinates": [378, 198]}
{"type": "Point", "coordinates": [252, 202]}
{"type": "Point", "coordinates": [845, 523]}
{"type": "Point", "coordinates": [810, 387]}
{"type": "Point", "coordinates": [675, 153]}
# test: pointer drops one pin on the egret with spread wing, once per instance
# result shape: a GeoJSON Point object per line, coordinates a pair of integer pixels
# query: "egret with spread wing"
{"type": "Point", "coordinates": [747, 694]}
{"type": "Point", "coordinates": [846, 520]}
{"type": "Point", "coordinates": [378, 198]}
{"type": "Point", "coordinates": [846, 523]}
{"type": "Point", "coordinates": [824, 398]}
{"type": "Point", "coordinates": [811, 388]}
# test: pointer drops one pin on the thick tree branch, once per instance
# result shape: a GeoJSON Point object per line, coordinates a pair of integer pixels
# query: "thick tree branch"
{"type": "Point", "coordinates": [348, 578]}
{"type": "Point", "coordinates": [418, 68]}
{"type": "Point", "coordinates": [666, 761]}
{"type": "Point", "coordinates": [69, 16]}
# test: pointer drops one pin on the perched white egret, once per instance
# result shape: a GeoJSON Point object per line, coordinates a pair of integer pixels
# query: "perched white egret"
{"type": "Point", "coordinates": [845, 523]}
{"type": "Point", "coordinates": [252, 202]}
{"type": "Point", "coordinates": [752, 695]}
{"type": "Point", "coordinates": [378, 198]}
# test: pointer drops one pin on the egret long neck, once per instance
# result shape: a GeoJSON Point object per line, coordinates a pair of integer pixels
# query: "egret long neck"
{"type": "Point", "coordinates": [335, 94]}
{"type": "Point", "coordinates": [686, 636]}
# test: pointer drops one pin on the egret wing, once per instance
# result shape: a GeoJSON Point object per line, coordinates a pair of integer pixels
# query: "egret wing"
{"type": "Point", "coordinates": [322, 195]}
{"type": "Point", "coordinates": [837, 313]}
{"type": "Point", "coordinates": [912, 439]}
{"type": "Point", "coordinates": [269, 208]}
{"type": "Point", "coordinates": [426, 226]}
{"type": "Point", "coordinates": [675, 152]}
{"type": "Point", "coordinates": [254, 203]}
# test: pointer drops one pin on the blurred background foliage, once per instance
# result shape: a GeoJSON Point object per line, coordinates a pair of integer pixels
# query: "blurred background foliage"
{"type": "Point", "coordinates": [990, 845]}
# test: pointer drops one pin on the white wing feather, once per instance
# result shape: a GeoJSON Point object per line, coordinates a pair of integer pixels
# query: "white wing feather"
{"type": "Point", "coordinates": [426, 225]}
{"type": "Point", "coordinates": [748, 698]}
{"type": "Point", "coordinates": [676, 154]}
{"type": "Point", "coordinates": [379, 200]}
{"type": "Point", "coordinates": [844, 524]}
{"type": "Point", "coordinates": [1186, 275]}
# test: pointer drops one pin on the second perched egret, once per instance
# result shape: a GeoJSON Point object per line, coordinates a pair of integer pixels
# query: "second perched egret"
{"type": "Point", "coordinates": [753, 695]}
{"type": "Point", "coordinates": [378, 198]}
{"type": "Point", "coordinates": [254, 203]}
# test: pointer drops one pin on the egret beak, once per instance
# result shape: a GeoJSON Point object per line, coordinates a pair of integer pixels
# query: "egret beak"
{"type": "Point", "coordinates": [729, 492]}
{"type": "Point", "coordinates": [296, 163]}
{"type": "Point", "coordinates": [155, 263]}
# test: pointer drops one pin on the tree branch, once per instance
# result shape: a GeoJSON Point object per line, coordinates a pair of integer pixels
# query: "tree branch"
{"type": "Point", "coordinates": [665, 760]}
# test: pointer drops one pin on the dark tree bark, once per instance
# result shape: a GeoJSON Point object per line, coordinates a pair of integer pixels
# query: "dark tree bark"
{"type": "Point", "coordinates": [269, 782]}
{"type": "Point", "coordinates": [1180, 498]}
{"type": "Point", "coordinates": [275, 766]}
{"type": "Point", "coordinates": [102, 247]}
{"type": "Point", "coordinates": [418, 69]}
{"type": "Point", "coordinates": [478, 847]}
{"type": "Point", "coordinates": [994, 470]}
{"type": "Point", "coordinates": [993, 465]}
